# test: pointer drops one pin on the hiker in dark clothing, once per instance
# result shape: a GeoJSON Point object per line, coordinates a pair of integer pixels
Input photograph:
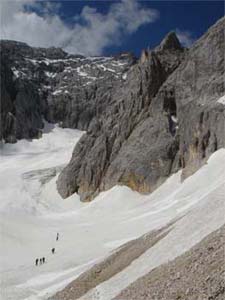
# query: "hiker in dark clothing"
{"type": "Point", "coordinates": [36, 261]}
{"type": "Point", "coordinates": [40, 261]}
{"type": "Point", "coordinates": [43, 260]}
{"type": "Point", "coordinates": [57, 236]}
{"type": "Point", "coordinates": [53, 250]}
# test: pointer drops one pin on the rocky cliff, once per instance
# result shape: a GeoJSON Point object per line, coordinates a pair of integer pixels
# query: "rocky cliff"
{"type": "Point", "coordinates": [144, 119]}
{"type": "Point", "coordinates": [165, 116]}
{"type": "Point", "coordinates": [39, 83]}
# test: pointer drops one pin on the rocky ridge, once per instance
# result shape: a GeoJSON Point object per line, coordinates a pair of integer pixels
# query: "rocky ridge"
{"type": "Point", "coordinates": [105, 156]}
{"type": "Point", "coordinates": [165, 116]}
{"type": "Point", "coordinates": [144, 119]}
{"type": "Point", "coordinates": [39, 83]}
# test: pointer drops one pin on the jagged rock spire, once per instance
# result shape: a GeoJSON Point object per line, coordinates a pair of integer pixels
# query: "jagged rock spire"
{"type": "Point", "coordinates": [170, 41]}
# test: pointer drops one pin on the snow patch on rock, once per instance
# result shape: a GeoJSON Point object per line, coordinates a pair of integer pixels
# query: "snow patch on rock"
{"type": "Point", "coordinates": [221, 100]}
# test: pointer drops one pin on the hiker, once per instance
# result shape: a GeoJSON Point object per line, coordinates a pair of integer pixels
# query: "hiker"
{"type": "Point", "coordinates": [40, 261]}
{"type": "Point", "coordinates": [43, 260]}
{"type": "Point", "coordinates": [57, 236]}
{"type": "Point", "coordinates": [53, 250]}
{"type": "Point", "coordinates": [36, 261]}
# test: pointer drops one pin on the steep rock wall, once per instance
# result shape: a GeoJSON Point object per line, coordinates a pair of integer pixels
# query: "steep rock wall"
{"type": "Point", "coordinates": [164, 117]}
{"type": "Point", "coordinates": [105, 156]}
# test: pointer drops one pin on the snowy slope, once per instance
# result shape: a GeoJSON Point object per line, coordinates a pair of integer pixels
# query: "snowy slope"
{"type": "Point", "coordinates": [32, 213]}
{"type": "Point", "coordinates": [201, 200]}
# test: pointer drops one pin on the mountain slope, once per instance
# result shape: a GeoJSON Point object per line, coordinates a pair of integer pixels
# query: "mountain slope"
{"type": "Point", "coordinates": [144, 119]}
{"type": "Point", "coordinates": [98, 162]}
{"type": "Point", "coordinates": [197, 273]}
{"type": "Point", "coordinates": [164, 117]}
{"type": "Point", "coordinates": [32, 212]}
{"type": "Point", "coordinates": [184, 214]}
{"type": "Point", "coordinates": [39, 83]}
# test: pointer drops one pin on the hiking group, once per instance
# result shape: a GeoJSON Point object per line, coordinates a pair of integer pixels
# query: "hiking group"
{"type": "Point", "coordinates": [40, 261]}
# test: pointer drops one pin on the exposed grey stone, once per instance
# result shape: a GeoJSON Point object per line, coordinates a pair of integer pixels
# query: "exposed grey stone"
{"type": "Point", "coordinates": [144, 119]}
{"type": "Point", "coordinates": [170, 42]}
{"type": "Point", "coordinates": [39, 83]}
{"type": "Point", "coordinates": [131, 146]}
{"type": "Point", "coordinates": [163, 117]}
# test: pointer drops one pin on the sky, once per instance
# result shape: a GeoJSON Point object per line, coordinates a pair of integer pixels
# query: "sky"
{"type": "Point", "coordinates": [92, 27]}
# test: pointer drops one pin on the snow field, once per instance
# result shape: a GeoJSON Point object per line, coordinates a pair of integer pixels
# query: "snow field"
{"type": "Point", "coordinates": [32, 212]}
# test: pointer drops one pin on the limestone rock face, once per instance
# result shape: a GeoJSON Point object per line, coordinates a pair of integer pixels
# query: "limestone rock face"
{"type": "Point", "coordinates": [20, 104]}
{"type": "Point", "coordinates": [39, 83]}
{"type": "Point", "coordinates": [113, 152]}
{"type": "Point", "coordinates": [170, 42]}
{"type": "Point", "coordinates": [198, 84]}
{"type": "Point", "coordinates": [164, 116]}
{"type": "Point", "coordinates": [144, 119]}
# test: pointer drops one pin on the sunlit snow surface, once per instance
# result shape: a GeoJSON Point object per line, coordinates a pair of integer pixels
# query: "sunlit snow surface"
{"type": "Point", "coordinates": [32, 213]}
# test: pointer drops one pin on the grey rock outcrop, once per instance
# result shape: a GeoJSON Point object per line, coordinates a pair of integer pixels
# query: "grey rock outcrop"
{"type": "Point", "coordinates": [110, 153]}
{"type": "Point", "coordinates": [198, 84]}
{"type": "Point", "coordinates": [163, 117]}
{"type": "Point", "coordinates": [144, 119]}
{"type": "Point", "coordinates": [20, 104]}
{"type": "Point", "coordinates": [39, 83]}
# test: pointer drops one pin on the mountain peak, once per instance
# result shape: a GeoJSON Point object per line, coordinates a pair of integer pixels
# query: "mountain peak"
{"type": "Point", "coordinates": [170, 41]}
